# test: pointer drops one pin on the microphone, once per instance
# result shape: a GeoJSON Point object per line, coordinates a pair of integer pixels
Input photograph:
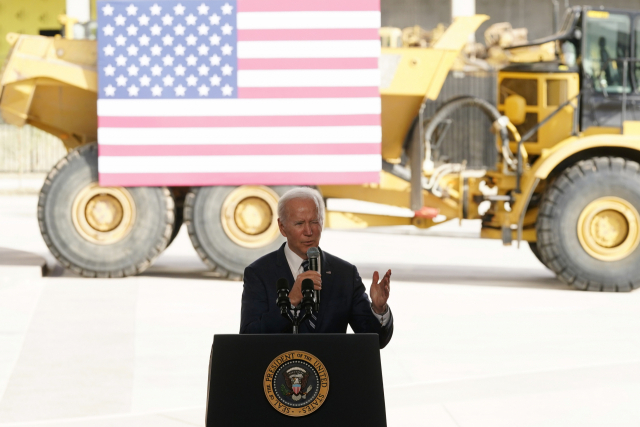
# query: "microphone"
{"type": "Point", "coordinates": [283, 301]}
{"type": "Point", "coordinates": [307, 295]}
{"type": "Point", "coordinates": [313, 254]}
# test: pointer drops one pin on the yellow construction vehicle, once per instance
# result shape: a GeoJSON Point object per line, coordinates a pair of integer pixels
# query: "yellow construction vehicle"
{"type": "Point", "coordinates": [562, 170]}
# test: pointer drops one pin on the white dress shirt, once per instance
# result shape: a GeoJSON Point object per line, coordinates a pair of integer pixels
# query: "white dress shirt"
{"type": "Point", "coordinates": [295, 265]}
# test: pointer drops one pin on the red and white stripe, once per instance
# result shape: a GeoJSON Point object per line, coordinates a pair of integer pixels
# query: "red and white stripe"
{"type": "Point", "coordinates": [307, 112]}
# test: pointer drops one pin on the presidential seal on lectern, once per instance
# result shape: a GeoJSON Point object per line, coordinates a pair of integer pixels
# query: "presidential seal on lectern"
{"type": "Point", "coordinates": [296, 383]}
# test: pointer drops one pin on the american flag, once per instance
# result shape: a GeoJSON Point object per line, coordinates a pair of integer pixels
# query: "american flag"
{"type": "Point", "coordinates": [238, 92]}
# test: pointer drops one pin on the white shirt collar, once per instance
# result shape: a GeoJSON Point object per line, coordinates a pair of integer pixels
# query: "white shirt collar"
{"type": "Point", "coordinates": [294, 261]}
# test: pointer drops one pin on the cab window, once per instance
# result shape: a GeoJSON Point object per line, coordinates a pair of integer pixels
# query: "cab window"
{"type": "Point", "coordinates": [606, 41]}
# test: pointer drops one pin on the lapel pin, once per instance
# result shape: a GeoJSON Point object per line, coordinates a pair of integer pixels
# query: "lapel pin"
{"type": "Point", "coordinates": [328, 272]}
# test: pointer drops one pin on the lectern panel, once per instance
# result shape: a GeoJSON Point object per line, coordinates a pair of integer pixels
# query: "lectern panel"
{"type": "Point", "coordinates": [306, 379]}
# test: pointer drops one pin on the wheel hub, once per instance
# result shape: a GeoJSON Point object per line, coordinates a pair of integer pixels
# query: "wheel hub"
{"type": "Point", "coordinates": [608, 228]}
{"type": "Point", "coordinates": [249, 216]}
{"type": "Point", "coordinates": [103, 215]}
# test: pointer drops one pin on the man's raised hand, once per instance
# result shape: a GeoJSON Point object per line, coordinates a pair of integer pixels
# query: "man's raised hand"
{"type": "Point", "coordinates": [380, 292]}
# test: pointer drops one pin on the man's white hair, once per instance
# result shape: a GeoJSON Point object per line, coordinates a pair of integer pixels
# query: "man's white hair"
{"type": "Point", "coordinates": [301, 193]}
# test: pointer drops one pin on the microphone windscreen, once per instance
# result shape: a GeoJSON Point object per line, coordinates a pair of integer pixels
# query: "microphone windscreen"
{"type": "Point", "coordinates": [313, 253]}
{"type": "Point", "coordinates": [307, 285]}
{"type": "Point", "coordinates": [282, 284]}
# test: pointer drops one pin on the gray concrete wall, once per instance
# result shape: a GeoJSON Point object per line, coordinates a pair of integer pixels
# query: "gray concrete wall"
{"type": "Point", "coordinates": [536, 15]}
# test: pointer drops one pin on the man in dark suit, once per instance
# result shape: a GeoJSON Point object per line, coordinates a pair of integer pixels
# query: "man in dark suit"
{"type": "Point", "coordinates": [344, 300]}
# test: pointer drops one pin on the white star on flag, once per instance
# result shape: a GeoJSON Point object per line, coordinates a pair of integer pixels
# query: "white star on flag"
{"type": "Point", "coordinates": [168, 80]}
{"type": "Point", "coordinates": [120, 40]}
{"type": "Point", "coordinates": [121, 80]}
{"type": "Point", "coordinates": [132, 50]}
{"type": "Point", "coordinates": [120, 20]}
{"type": "Point", "coordinates": [156, 90]}
{"type": "Point", "coordinates": [214, 19]}
{"type": "Point", "coordinates": [226, 9]}
{"type": "Point", "coordinates": [156, 70]}
{"type": "Point", "coordinates": [155, 9]}
{"type": "Point", "coordinates": [203, 90]}
{"type": "Point", "coordinates": [108, 50]}
{"type": "Point", "coordinates": [226, 29]}
{"type": "Point", "coordinates": [203, 50]}
{"type": "Point", "coordinates": [168, 61]}
{"type": "Point", "coordinates": [167, 40]}
{"type": "Point", "coordinates": [180, 90]}
{"type": "Point", "coordinates": [215, 80]}
{"type": "Point", "coordinates": [109, 90]}
{"type": "Point", "coordinates": [226, 49]}
{"type": "Point", "coordinates": [107, 10]}
{"type": "Point", "coordinates": [156, 50]}
{"type": "Point", "coordinates": [179, 70]}
{"type": "Point", "coordinates": [121, 61]}
{"type": "Point", "coordinates": [215, 60]}
{"type": "Point", "coordinates": [192, 80]}
{"type": "Point", "coordinates": [108, 30]}
{"type": "Point", "coordinates": [109, 70]}
{"type": "Point", "coordinates": [144, 40]}
{"type": "Point", "coordinates": [133, 90]}
{"type": "Point", "coordinates": [179, 9]}
{"type": "Point", "coordinates": [191, 40]}
{"type": "Point", "coordinates": [143, 20]}
{"type": "Point", "coordinates": [155, 30]}
{"type": "Point", "coordinates": [227, 90]}
{"type": "Point", "coordinates": [191, 19]}
{"type": "Point", "coordinates": [203, 9]}
{"type": "Point", "coordinates": [179, 30]}
{"type": "Point", "coordinates": [167, 19]}
{"type": "Point", "coordinates": [203, 30]}
{"type": "Point", "coordinates": [226, 70]}
{"type": "Point", "coordinates": [192, 60]}
{"type": "Point", "coordinates": [145, 80]}
{"type": "Point", "coordinates": [179, 50]}
{"type": "Point", "coordinates": [132, 30]}
{"type": "Point", "coordinates": [145, 61]}
{"type": "Point", "coordinates": [133, 70]}
{"type": "Point", "coordinates": [203, 70]}
{"type": "Point", "coordinates": [215, 40]}
{"type": "Point", "coordinates": [131, 10]}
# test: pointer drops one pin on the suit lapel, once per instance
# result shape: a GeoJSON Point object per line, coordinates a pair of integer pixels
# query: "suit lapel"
{"type": "Point", "coordinates": [327, 287]}
{"type": "Point", "coordinates": [282, 266]}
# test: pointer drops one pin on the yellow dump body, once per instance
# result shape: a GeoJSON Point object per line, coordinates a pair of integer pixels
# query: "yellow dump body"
{"type": "Point", "coordinates": [51, 83]}
{"type": "Point", "coordinates": [410, 74]}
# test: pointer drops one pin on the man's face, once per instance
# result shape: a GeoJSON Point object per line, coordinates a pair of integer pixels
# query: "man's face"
{"type": "Point", "coordinates": [301, 226]}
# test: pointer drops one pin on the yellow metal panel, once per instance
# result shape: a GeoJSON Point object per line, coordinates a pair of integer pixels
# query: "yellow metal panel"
{"type": "Point", "coordinates": [412, 69]}
{"type": "Point", "coordinates": [397, 114]}
{"type": "Point", "coordinates": [631, 128]}
{"type": "Point", "coordinates": [457, 35]}
{"type": "Point", "coordinates": [28, 17]}
{"type": "Point", "coordinates": [601, 130]}
{"type": "Point", "coordinates": [16, 99]}
{"type": "Point", "coordinates": [360, 220]}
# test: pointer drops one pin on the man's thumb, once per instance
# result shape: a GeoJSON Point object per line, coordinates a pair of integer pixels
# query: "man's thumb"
{"type": "Point", "coordinates": [375, 277]}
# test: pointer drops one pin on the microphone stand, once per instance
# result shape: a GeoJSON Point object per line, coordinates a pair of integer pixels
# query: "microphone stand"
{"type": "Point", "coordinates": [295, 319]}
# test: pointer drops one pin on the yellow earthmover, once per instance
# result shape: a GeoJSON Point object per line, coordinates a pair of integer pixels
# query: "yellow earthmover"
{"type": "Point", "coordinates": [560, 170]}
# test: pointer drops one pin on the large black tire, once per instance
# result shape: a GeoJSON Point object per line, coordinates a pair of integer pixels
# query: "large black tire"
{"type": "Point", "coordinates": [134, 252]}
{"type": "Point", "coordinates": [202, 216]}
{"type": "Point", "coordinates": [557, 224]}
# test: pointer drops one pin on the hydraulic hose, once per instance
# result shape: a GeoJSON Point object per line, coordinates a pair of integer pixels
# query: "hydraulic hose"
{"type": "Point", "coordinates": [469, 101]}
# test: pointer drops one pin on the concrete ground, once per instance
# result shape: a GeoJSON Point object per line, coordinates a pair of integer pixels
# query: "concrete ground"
{"type": "Point", "coordinates": [485, 336]}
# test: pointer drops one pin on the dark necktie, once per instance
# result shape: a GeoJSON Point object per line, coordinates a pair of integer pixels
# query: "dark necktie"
{"type": "Point", "coordinates": [305, 266]}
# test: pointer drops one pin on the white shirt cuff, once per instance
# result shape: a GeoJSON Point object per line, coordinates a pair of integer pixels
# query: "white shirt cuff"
{"type": "Point", "coordinates": [384, 317]}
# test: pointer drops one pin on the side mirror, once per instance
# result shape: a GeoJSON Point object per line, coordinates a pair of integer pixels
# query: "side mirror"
{"type": "Point", "coordinates": [514, 109]}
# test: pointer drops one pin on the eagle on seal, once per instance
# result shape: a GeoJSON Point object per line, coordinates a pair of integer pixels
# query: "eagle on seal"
{"type": "Point", "coordinates": [296, 380]}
